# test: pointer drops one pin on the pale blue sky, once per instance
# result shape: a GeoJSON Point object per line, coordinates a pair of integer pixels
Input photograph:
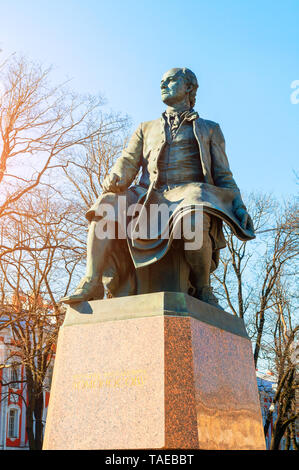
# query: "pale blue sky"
{"type": "Point", "coordinates": [245, 54]}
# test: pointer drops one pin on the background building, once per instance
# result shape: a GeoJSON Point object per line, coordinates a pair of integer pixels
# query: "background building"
{"type": "Point", "coordinates": [13, 398]}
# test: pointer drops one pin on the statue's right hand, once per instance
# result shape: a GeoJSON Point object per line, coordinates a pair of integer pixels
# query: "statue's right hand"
{"type": "Point", "coordinates": [113, 183]}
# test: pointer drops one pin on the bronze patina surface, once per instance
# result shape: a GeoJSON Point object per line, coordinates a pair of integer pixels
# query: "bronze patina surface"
{"type": "Point", "coordinates": [183, 164]}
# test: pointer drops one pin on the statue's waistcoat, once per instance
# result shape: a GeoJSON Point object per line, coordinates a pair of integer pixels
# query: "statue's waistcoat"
{"type": "Point", "coordinates": [179, 161]}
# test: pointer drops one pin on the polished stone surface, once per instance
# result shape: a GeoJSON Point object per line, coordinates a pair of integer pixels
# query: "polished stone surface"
{"type": "Point", "coordinates": [154, 304]}
{"type": "Point", "coordinates": [228, 409]}
{"type": "Point", "coordinates": [153, 378]}
{"type": "Point", "coordinates": [108, 387]}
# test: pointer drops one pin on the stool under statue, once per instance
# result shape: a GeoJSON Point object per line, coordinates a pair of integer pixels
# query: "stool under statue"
{"type": "Point", "coordinates": [159, 364]}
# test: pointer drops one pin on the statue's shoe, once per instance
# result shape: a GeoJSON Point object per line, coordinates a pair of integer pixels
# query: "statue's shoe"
{"type": "Point", "coordinates": [87, 289]}
{"type": "Point", "coordinates": [206, 295]}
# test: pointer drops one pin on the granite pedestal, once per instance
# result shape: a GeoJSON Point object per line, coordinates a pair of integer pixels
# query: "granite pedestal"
{"type": "Point", "coordinates": [153, 371]}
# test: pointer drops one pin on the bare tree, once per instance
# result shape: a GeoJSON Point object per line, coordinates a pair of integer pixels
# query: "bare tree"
{"type": "Point", "coordinates": [283, 352]}
{"type": "Point", "coordinates": [39, 123]}
{"type": "Point", "coordinates": [279, 260]}
{"type": "Point", "coordinates": [32, 281]}
{"type": "Point", "coordinates": [55, 149]}
{"type": "Point", "coordinates": [237, 259]}
{"type": "Point", "coordinates": [256, 279]}
{"type": "Point", "coordinates": [93, 161]}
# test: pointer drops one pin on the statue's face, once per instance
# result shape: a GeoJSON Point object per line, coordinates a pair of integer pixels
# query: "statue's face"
{"type": "Point", "coordinates": [173, 87]}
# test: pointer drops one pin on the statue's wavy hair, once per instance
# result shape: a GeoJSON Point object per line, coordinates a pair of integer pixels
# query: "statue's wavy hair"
{"type": "Point", "coordinates": [191, 79]}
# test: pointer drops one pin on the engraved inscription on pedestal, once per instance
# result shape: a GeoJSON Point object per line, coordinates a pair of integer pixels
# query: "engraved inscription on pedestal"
{"type": "Point", "coordinates": [118, 379]}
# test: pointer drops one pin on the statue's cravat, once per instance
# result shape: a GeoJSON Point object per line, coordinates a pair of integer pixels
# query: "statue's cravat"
{"type": "Point", "coordinates": [175, 119]}
{"type": "Point", "coordinates": [174, 122]}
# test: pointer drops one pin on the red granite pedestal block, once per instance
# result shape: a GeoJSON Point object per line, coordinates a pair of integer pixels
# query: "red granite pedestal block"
{"type": "Point", "coordinates": [153, 371]}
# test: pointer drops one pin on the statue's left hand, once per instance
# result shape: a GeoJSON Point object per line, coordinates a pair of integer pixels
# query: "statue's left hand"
{"type": "Point", "coordinates": [244, 218]}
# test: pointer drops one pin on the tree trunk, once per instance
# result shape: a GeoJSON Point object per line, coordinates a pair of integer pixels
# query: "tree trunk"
{"type": "Point", "coordinates": [278, 433]}
{"type": "Point", "coordinates": [30, 409]}
{"type": "Point", "coordinates": [29, 428]}
{"type": "Point", "coordinates": [268, 422]}
{"type": "Point", "coordinates": [29, 415]}
{"type": "Point", "coordinates": [38, 414]}
{"type": "Point", "coordinates": [293, 436]}
{"type": "Point", "coordinates": [259, 337]}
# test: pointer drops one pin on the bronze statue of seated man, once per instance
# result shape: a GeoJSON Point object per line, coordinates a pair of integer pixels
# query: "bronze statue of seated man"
{"type": "Point", "coordinates": [184, 167]}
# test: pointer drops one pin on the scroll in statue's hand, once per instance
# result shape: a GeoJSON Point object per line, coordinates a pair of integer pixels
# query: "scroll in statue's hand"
{"type": "Point", "coordinates": [113, 183]}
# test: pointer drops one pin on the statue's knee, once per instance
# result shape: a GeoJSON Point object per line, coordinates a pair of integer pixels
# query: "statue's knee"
{"type": "Point", "coordinates": [109, 198]}
{"type": "Point", "coordinates": [195, 222]}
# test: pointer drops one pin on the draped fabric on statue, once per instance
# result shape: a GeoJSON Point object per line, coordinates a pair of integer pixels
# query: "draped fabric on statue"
{"type": "Point", "coordinates": [186, 170]}
{"type": "Point", "coordinates": [183, 199]}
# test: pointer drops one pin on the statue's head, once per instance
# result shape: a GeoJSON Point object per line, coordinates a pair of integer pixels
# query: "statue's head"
{"type": "Point", "coordinates": [178, 84]}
